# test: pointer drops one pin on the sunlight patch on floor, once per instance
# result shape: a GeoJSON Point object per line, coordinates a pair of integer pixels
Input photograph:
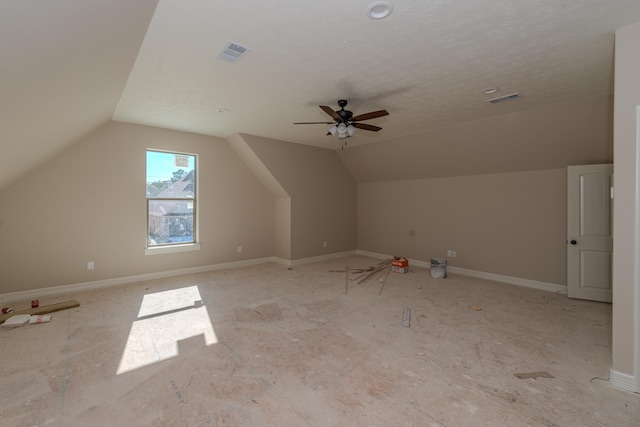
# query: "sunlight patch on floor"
{"type": "Point", "coordinates": [164, 319]}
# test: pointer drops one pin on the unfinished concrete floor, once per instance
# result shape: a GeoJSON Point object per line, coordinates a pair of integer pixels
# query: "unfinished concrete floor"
{"type": "Point", "coordinates": [268, 346]}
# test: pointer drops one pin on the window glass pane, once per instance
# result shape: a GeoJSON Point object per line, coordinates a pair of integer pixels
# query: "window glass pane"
{"type": "Point", "coordinates": [170, 175]}
{"type": "Point", "coordinates": [170, 221]}
{"type": "Point", "coordinates": [171, 198]}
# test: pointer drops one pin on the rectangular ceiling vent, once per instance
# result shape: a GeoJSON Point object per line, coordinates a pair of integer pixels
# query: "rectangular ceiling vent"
{"type": "Point", "coordinates": [504, 98]}
{"type": "Point", "coordinates": [233, 52]}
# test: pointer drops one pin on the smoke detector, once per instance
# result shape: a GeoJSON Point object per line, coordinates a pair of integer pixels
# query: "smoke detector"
{"type": "Point", "coordinates": [379, 10]}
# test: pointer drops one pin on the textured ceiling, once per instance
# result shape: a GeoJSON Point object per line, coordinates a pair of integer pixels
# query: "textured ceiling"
{"type": "Point", "coordinates": [69, 66]}
{"type": "Point", "coordinates": [426, 63]}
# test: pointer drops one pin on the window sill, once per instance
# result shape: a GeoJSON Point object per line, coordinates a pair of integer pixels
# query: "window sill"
{"type": "Point", "coordinates": [172, 249]}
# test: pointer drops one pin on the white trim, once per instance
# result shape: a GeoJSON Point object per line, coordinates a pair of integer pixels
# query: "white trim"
{"type": "Point", "coordinates": [172, 249]}
{"type": "Point", "coordinates": [551, 287]}
{"type": "Point", "coordinates": [543, 286]}
{"type": "Point", "coordinates": [373, 254]}
{"type": "Point", "coordinates": [99, 284]}
{"type": "Point", "coordinates": [320, 258]}
{"type": "Point", "coordinates": [622, 381]}
{"type": "Point", "coordinates": [636, 279]}
{"type": "Point", "coordinates": [64, 289]}
{"type": "Point", "coordinates": [283, 261]}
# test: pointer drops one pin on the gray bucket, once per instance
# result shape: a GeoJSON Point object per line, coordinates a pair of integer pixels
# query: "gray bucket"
{"type": "Point", "coordinates": [438, 268]}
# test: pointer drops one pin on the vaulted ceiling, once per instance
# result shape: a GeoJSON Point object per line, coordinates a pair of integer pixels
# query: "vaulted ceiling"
{"type": "Point", "coordinates": [69, 66]}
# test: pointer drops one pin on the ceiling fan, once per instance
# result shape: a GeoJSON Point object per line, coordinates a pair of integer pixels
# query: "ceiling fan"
{"type": "Point", "coordinates": [345, 123]}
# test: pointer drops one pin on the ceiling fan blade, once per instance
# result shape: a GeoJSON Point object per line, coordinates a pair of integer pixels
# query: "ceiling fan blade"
{"type": "Point", "coordinates": [371, 115]}
{"type": "Point", "coordinates": [330, 112]}
{"type": "Point", "coordinates": [313, 123]}
{"type": "Point", "coordinates": [365, 126]}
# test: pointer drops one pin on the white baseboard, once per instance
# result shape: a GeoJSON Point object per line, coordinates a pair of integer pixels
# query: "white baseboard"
{"type": "Point", "coordinates": [373, 254]}
{"type": "Point", "coordinates": [544, 286]}
{"type": "Point", "coordinates": [320, 258]}
{"type": "Point", "coordinates": [283, 261]}
{"type": "Point", "coordinates": [98, 284]}
{"type": "Point", "coordinates": [622, 381]}
{"type": "Point", "coordinates": [65, 289]}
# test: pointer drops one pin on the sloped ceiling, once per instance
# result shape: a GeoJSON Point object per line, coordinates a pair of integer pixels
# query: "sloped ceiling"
{"type": "Point", "coordinates": [69, 66]}
{"type": "Point", "coordinates": [63, 67]}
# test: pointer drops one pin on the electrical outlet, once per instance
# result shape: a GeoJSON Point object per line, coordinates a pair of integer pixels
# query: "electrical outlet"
{"type": "Point", "coordinates": [89, 265]}
{"type": "Point", "coordinates": [239, 249]}
{"type": "Point", "coordinates": [449, 252]}
{"type": "Point", "coordinates": [325, 243]}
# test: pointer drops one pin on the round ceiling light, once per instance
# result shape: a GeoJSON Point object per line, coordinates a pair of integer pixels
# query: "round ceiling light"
{"type": "Point", "coordinates": [223, 110]}
{"type": "Point", "coordinates": [379, 9]}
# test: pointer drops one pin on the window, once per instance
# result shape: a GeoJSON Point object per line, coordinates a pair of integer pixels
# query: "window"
{"type": "Point", "coordinates": [171, 199]}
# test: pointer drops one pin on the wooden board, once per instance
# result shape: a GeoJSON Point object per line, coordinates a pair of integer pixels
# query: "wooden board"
{"type": "Point", "coordinates": [381, 266]}
{"type": "Point", "coordinates": [384, 280]}
{"type": "Point", "coordinates": [534, 375]}
{"type": "Point", "coordinates": [406, 317]}
{"type": "Point", "coordinates": [42, 310]}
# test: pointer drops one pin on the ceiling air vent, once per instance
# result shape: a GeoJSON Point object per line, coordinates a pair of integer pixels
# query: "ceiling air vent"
{"type": "Point", "coordinates": [233, 52]}
{"type": "Point", "coordinates": [504, 98]}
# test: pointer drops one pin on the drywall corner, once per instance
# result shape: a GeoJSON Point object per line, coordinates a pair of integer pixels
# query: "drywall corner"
{"type": "Point", "coordinates": [282, 238]}
{"type": "Point", "coordinates": [253, 162]}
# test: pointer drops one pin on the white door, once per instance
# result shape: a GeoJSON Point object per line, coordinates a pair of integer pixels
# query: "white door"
{"type": "Point", "coordinates": [589, 232]}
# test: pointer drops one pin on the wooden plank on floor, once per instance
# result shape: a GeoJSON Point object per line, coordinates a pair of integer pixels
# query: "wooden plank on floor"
{"type": "Point", "coordinates": [381, 266]}
{"type": "Point", "coordinates": [384, 280]}
{"type": "Point", "coordinates": [42, 310]}
{"type": "Point", "coordinates": [406, 317]}
{"type": "Point", "coordinates": [534, 375]}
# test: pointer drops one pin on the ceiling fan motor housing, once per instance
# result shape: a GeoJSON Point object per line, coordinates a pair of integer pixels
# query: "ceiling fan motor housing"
{"type": "Point", "coordinates": [345, 115]}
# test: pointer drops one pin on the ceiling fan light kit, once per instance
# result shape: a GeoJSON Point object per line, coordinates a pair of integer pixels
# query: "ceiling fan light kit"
{"type": "Point", "coordinates": [342, 130]}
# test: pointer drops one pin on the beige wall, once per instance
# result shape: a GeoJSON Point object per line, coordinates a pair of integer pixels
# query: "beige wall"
{"type": "Point", "coordinates": [493, 190]}
{"type": "Point", "coordinates": [512, 224]}
{"type": "Point", "coordinates": [88, 204]}
{"type": "Point", "coordinates": [282, 243]}
{"type": "Point", "coordinates": [550, 137]}
{"type": "Point", "coordinates": [626, 275]}
{"type": "Point", "coordinates": [323, 195]}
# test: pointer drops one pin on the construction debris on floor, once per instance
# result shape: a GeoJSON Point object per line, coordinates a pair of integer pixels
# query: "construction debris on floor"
{"type": "Point", "coordinates": [364, 273]}
{"type": "Point", "coordinates": [534, 375]}
{"type": "Point", "coordinates": [406, 318]}
{"type": "Point", "coordinates": [400, 265]}
{"type": "Point", "coordinates": [268, 346]}
{"type": "Point", "coordinates": [45, 309]}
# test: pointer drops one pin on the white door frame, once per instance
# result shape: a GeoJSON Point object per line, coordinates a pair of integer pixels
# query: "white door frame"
{"type": "Point", "coordinates": [636, 278]}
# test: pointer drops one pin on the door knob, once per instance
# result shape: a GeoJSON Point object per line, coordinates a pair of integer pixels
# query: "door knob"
{"type": "Point", "coordinates": [573, 242]}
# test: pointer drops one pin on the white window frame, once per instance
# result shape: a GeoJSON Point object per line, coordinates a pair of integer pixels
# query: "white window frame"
{"type": "Point", "coordinates": [174, 247]}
